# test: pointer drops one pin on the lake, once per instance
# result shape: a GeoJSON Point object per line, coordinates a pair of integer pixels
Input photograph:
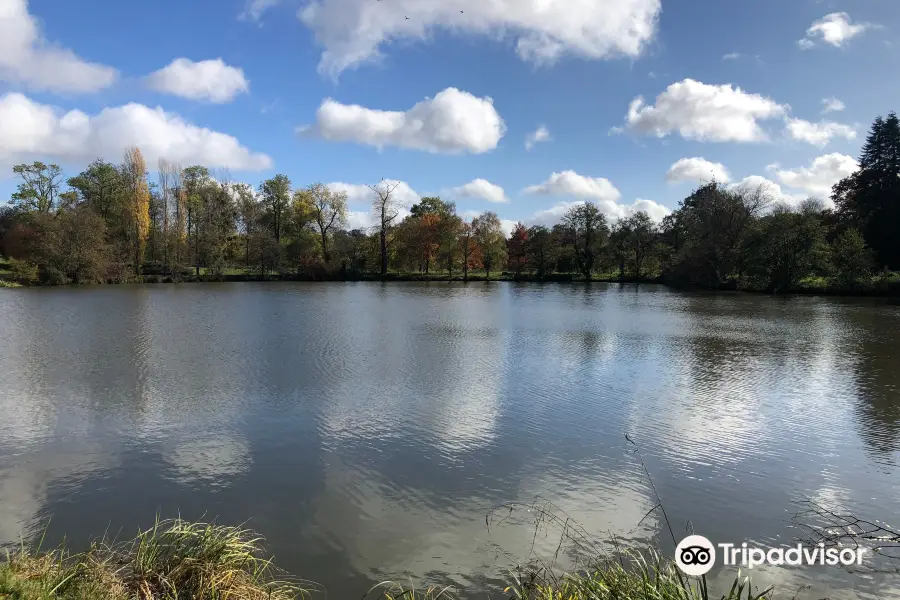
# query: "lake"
{"type": "Point", "coordinates": [367, 429]}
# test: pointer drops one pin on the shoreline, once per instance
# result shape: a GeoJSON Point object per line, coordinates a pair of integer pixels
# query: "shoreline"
{"type": "Point", "coordinates": [890, 290]}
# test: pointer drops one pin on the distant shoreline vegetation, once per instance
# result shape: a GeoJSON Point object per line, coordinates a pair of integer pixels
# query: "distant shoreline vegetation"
{"type": "Point", "coordinates": [113, 225]}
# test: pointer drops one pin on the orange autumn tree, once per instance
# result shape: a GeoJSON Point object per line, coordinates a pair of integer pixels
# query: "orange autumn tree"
{"type": "Point", "coordinates": [430, 225]}
{"type": "Point", "coordinates": [137, 204]}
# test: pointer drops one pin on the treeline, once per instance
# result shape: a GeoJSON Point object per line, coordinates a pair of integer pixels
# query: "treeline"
{"type": "Point", "coordinates": [119, 223]}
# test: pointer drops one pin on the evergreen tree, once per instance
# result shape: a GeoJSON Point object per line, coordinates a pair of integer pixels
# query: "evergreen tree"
{"type": "Point", "coordinates": [870, 198]}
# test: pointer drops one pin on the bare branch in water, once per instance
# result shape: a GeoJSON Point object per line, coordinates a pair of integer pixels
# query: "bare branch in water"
{"type": "Point", "coordinates": [836, 528]}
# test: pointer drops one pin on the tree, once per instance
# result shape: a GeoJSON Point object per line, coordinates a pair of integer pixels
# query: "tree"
{"type": "Point", "coordinates": [432, 205]}
{"type": "Point", "coordinates": [870, 198]}
{"type": "Point", "coordinates": [74, 248]}
{"type": "Point", "coordinates": [517, 249]}
{"type": "Point", "coordinates": [248, 212]}
{"type": "Point", "coordinates": [711, 225]}
{"type": "Point", "coordinates": [39, 188]}
{"type": "Point", "coordinates": [641, 237]}
{"type": "Point", "coordinates": [215, 224]}
{"type": "Point", "coordinates": [539, 250]}
{"type": "Point", "coordinates": [137, 195]}
{"type": "Point", "coordinates": [432, 218]}
{"type": "Point", "coordinates": [100, 186]}
{"type": "Point", "coordinates": [488, 233]}
{"type": "Point", "coordinates": [468, 249]}
{"type": "Point", "coordinates": [783, 247]}
{"type": "Point", "coordinates": [589, 231]}
{"type": "Point", "coordinates": [386, 209]}
{"type": "Point", "coordinates": [329, 211]}
{"type": "Point", "coordinates": [276, 198]}
{"type": "Point", "coordinates": [448, 234]}
{"type": "Point", "coordinates": [619, 237]}
{"type": "Point", "coordinates": [193, 179]}
{"type": "Point", "coordinates": [851, 258]}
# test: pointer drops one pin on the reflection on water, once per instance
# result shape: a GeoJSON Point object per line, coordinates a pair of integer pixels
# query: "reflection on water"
{"type": "Point", "coordinates": [367, 429]}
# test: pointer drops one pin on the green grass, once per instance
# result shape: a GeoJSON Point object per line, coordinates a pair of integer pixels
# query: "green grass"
{"type": "Point", "coordinates": [179, 559]}
{"type": "Point", "coordinates": [632, 576]}
{"type": "Point", "coordinates": [172, 560]}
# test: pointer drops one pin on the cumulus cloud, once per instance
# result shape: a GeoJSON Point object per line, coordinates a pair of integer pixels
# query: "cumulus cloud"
{"type": "Point", "coordinates": [697, 169]}
{"type": "Point", "coordinates": [541, 134]}
{"type": "Point", "coordinates": [818, 134]}
{"type": "Point", "coordinates": [452, 122]}
{"type": "Point", "coordinates": [697, 111]}
{"type": "Point", "coordinates": [835, 29]}
{"type": "Point", "coordinates": [832, 105]}
{"type": "Point", "coordinates": [818, 178]}
{"type": "Point", "coordinates": [29, 59]}
{"type": "Point", "coordinates": [732, 56]}
{"type": "Point", "coordinates": [360, 196]}
{"type": "Point", "coordinates": [481, 189]}
{"type": "Point", "coordinates": [210, 80]}
{"type": "Point", "coordinates": [596, 189]}
{"type": "Point", "coordinates": [772, 190]}
{"type": "Point", "coordinates": [30, 130]}
{"type": "Point", "coordinates": [353, 32]}
{"type": "Point", "coordinates": [570, 183]}
{"type": "Point", "coordinates": [613, 210]}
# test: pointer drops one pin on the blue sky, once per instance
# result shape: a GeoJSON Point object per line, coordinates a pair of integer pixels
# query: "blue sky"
{"type": "Point", "coordinates": [574, 66]}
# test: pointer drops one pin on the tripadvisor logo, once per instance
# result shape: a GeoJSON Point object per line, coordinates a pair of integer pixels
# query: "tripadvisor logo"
{"type": "Point", "coordinates": [696, 555]}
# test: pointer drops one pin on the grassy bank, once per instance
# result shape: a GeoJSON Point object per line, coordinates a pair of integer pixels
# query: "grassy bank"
{"type": "Point", "coordinates": [183, 560]}
{"type": "Point", "coordinates": [174, 559]}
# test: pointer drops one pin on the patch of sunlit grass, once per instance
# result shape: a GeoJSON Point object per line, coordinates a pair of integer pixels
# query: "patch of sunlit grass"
{"type": "Point", "coordinates": [173, 559]}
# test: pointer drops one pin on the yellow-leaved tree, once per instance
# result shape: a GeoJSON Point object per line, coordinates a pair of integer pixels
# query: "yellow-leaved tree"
{"type": "Point", "coordinates": [137, 200]}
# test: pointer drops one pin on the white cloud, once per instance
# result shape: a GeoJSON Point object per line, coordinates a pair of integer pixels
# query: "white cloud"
{"type": "Point", "coordinates": [27, 58]}
{"type": "Point", "coordinates": [360, 196]}
{"type": "Point", "coordinates": [353, 32]}
{"type": "Point", "coordinates": [541, 134]}
{"type": "Point", "coordinates": [570, 183]}
{"type": "Point", "coordinates": [732, 56]}
{"type": "Point", "coordinates": [697, 169]}
{"type": "Point", "coordinates": [832, 105]}
{"type": "Point", "coordinates": [818, 134]}
{"type": "Point", "coordinates": [508, 225]}
{"type": "Point", "coordinates": [210, 80]}
{"type": "Point", "coordinates": [452, 122]}
{"type": "Point", "coordinates": [834, 29]}
{"type": "Point", "coordinates": [697, 111]}
{"type": "Point", "coordinates": [32, 130]}
{"type": "Point", "coordinates": [596, 189]}
{"type": "Point", "coordinates": [655, 210]}
{"type": "Point", "coordinates": [774, 192]}
{"type": "Point", "coordinates": [254, 9]}
{"type": "Point", "coordinates": [818, 178]}
{"type": "Point", "coordinates": [613, 210]}
{"type": "Point", "coordinates": [481, 189]}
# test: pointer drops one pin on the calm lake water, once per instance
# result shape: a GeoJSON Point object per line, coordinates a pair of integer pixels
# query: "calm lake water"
{"type": "Point", "coordinates": [367, 429]}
